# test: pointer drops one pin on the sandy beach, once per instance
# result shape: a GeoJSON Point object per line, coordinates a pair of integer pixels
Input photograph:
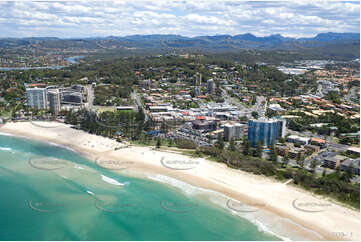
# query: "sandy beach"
{"type": "Point", "coordinates": [309, 217]}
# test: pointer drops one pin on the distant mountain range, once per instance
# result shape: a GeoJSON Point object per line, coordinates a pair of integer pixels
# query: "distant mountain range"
{"type": "Point", "coordinates": [344, 44]}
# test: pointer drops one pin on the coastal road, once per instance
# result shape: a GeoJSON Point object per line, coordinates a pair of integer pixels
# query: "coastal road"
{"type": "Point", "coordinates": [137, 103]}
{"type": "Point", "coordinates": [259, 107]}
{"type": "Point", "coordinates": [90, 91]}
{"type": "Point", "coordinates": [350, 95]}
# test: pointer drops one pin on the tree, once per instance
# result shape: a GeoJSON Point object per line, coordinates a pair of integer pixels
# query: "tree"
{"type": "Point", "coordinates": [259, 150]}
{"type": "Point", "coordinates": [313, 165]}
{"type": "Point", "coordinates": [255, 114]}
{"type": "Point", "coordinates": [158, 142]}
{"type": "Point", "coordinates": [300, 160]}
{"type": "Point", "coordinates": [164, 127]}
{"type": "Point", "coordinates": [232, 145]}
{"type": "Point", "coordinates": [220, 142]}
{"type": "Point", "coordinates": [338, 171]}
{"type": "Point", "coordinates": [324, 172]}
{"type": "Point", "coordinates": [246, 146]}
{"type": "Point", "coordinates": [273, 153]}
{"type": "Point", "coordinates": [285, 160]}
{"type": "Point", "coordinates": [349, 171]}
{"type": "Point", "coordinates": [170, 142]}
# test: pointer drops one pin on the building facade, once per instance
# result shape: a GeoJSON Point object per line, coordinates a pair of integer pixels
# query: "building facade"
{"type": "Point", "coordinates": [210, 86]}
{"type": "Point", "coordinates": [232, 131]}
{"type": "Point", "coordinates": [54, 100]}
{"type": "Point", "coordinates": [37, 98]}
{"type": "Point", "coordinates": [265, 131]}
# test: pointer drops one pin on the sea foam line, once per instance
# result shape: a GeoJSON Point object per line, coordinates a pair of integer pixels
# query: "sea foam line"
{"type": "Point", "coordinates": [6, 149]}
{"type": "Point", "coordinates": [62, 146]}
{"type": "Point", "coordinates": [194, 190]}
{"type": "Point", "coordinates": [91, 193]}
{"type": "Point", "coordinates": [111, 181]}
{"type": "Point", "coordinates": [6, 134]}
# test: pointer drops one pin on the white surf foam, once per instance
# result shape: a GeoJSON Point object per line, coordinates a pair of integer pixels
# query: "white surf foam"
{"type": "Point", "coordinates": [258, 218]}
{"type": "Point", "coordinates": [79, 167]}
{"type": "Point", "coordinates": [111, 181]}
{"type": "Point", "coordinates": [62, 146]}
{"type": "Point", "coordinates": [6, 149]}
{"type": "Point", "coordinates": [91, 193]}
{"type": "Point", "coordinates": [6, 134]}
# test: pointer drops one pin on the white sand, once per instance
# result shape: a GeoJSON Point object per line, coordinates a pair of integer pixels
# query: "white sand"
{"type": "Point", "coordinates": [334, 222]}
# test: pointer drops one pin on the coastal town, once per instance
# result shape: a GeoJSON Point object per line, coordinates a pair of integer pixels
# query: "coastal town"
{"type": "Point", "coordinates": [313, 127]}
{"type": "Point", "coordinates": [182, 120]}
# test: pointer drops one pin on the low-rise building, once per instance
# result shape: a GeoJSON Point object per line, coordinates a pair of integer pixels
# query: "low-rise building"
{"type": "Point", "coordinates": [37, 98]}
{"type": "Point", "coordinates": [312, 148]}
{"type": "Point", "coordinates": [201, 124]}
{"type": "Point", "coordinates": [54, 100]}
{"type": "Point", "coordinates": [353, 151]}
{"type": "Point", "coordinates": [232, 131]}
{"type": "Point", "coordinates": [333, 161]}
{"type": "Point", "coordinates": [353, 164]}
{"type": "Point", "coordinates": [298, 139]}
{"type": "Point", "coordinates": [282, 150]}
{"type": "Point", "coordinates": [318, 142]}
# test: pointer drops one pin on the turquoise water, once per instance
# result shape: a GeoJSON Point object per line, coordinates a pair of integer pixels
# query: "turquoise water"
{"type": "Point", "coordinates": [51, 193]}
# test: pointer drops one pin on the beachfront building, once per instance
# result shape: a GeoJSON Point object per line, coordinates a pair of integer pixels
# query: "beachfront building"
{"type": "Point", "coordinates": [37, 98]}
{"type": "Point", "coordinates": [54, 100]}
{"type": "Point", "coordinates": [210, 86]}
{"type": "Point", "coordinates": [265, 131]}
{"type": "Point", "coordinates": [201, 124]}
{"type": "Point", "coordinates": [232, 131]}
{"type": "Point", "coordinates": [197, 91]}
{"type": "Point", "coordinates": [298, 140]}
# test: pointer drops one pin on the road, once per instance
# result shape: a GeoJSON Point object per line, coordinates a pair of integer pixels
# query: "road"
{"type": "Point", "coordinates": [257, 107]}
{"type": "Point", "coordinates": [90, 91]}
{"type": "Point", "coordinates": [137, 103]}
{"type": "Point", "coordinates": [350, 95]}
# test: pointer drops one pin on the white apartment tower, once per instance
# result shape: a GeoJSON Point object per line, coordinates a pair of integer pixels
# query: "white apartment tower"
{"type": "Point", "coordinates": [37, 98]}
{"type": "Point", "coordinates": [54, 100]}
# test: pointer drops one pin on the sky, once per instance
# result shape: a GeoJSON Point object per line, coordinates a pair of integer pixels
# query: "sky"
{"type": "Point", "coordinates": [68, 19]}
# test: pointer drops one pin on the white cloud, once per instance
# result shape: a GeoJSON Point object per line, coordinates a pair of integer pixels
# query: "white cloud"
{"type": "Point", "coordinates": [187, 17]}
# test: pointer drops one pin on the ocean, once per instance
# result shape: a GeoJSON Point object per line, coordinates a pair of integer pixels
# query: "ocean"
{"type": "Point", "coordinates": [49, 192]}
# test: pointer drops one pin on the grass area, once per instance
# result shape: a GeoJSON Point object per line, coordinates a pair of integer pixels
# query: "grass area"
{"type": "Point", "coordinates": [101, 109]}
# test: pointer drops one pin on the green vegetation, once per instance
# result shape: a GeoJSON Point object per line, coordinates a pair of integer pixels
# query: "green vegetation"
{"type": "Point", "coordinates": [336, 185]}
{"type": "Point", "coordinates": [333, 96]}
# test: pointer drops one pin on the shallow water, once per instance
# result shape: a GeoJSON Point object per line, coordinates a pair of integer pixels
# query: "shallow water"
{"type": "Point", "coordinates": [51, 193]}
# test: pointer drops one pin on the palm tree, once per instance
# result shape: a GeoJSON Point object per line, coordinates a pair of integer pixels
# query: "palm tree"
{"type": "Point", "coordinates": [313, 165]}
{"type": "Point", "coordinates": [285, 160]}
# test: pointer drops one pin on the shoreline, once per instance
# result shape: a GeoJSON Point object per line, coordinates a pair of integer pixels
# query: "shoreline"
{"type": "Point", "coordinates": [238, 185]}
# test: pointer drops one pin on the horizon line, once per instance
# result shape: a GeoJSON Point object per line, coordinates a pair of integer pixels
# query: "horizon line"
{"type": "Point", "coordinates": [123, 36]}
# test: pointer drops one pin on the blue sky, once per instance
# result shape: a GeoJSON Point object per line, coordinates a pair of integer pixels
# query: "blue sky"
{"type": "Point", "coordinates": [187, 17]}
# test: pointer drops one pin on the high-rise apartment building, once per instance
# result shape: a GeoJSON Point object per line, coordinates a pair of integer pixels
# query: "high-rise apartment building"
{"type": "Point", "coordinates": [265, 131]}
{"type": "Point", "coordinates": [37, 98]}
{"type": "Point", "coordinates": [54, 100]}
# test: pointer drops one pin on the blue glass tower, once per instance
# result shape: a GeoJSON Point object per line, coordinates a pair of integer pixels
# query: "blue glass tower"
{"type": "Point", "coordinates": [265, 131]}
